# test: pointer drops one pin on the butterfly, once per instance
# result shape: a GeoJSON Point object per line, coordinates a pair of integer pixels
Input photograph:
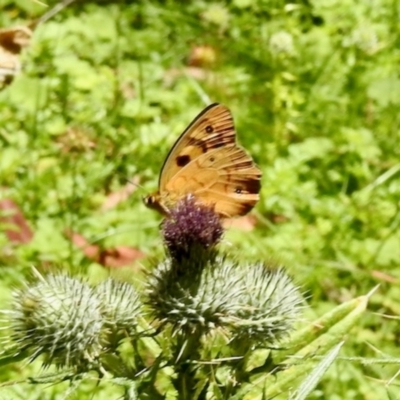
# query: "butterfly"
{"type": "Point", "coordinates": [208, 164]}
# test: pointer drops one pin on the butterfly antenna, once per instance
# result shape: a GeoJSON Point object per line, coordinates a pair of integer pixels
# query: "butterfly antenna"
{"type": "Point", "coordinates": [135, 182]}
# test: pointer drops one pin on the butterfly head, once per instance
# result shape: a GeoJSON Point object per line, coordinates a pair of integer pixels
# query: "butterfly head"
{"type": "Point", "coordinates": [155, 202]}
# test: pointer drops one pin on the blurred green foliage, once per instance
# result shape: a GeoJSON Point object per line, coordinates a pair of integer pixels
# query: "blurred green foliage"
{"type": "Point", "coordinates": [107, 87]}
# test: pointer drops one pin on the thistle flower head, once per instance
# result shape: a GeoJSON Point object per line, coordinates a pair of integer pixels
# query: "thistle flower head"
{"type": "Point", "coordinates": [192, 228]}
{"type": "Point", "coordinates": [59, 318]}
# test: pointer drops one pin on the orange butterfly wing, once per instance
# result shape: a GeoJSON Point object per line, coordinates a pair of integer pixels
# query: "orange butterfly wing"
{"type": "Point", "coordinates": [207, 163]}
{"type": "Point", "coordinates": [225, 178]}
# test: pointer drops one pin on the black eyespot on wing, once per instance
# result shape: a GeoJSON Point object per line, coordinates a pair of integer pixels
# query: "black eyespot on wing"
{"type": "Point", "coordinates": [209, 129]}
{"type": "Point", "coordinates": [181, 161]}
{"type": "Point", "coordinates": [238, 190]}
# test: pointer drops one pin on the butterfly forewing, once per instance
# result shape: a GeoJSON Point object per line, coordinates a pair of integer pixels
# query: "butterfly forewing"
{"type": "Point", "coordinates": [211, 129]}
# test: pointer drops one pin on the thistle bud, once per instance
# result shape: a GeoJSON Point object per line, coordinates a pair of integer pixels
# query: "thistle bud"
{"type": "Point", "coordinates": [270, 305]}
{"type": "Point", "coordinates": [58, 317]}
{"type": "Point", "coordinates": [255, 303]}
{"type": "Point", "coordinates": [121, 308]}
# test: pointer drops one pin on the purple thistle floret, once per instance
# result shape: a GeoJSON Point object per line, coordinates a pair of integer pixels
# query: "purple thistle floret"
{"type": "Point", "coordinates": [190, 226]}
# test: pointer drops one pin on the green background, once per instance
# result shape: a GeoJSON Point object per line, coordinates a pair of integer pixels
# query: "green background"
{"type": "Point", "coordinates": [314, 87]}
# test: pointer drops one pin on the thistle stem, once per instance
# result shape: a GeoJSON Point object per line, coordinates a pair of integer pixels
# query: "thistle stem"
{"type": "Point", "coordinates": [187, 350]}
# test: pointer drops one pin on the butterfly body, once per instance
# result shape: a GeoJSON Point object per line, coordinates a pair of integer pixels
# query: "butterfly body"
{"type": "Point", "coordinates": [207, 163]}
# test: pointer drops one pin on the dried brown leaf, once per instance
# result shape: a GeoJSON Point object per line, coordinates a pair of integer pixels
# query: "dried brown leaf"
{"type": "Point", "coordinates": [119, 256]}
{"type": "Point", "coordinates": [113, 199]}
{"type": "Point", "coordinates": [12, 41]}
{"type": "Point", "coordinates": [13, 222]}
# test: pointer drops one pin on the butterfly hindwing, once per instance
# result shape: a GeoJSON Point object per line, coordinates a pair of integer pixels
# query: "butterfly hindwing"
{"type": "Point", "coordinates": [221, 176]}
